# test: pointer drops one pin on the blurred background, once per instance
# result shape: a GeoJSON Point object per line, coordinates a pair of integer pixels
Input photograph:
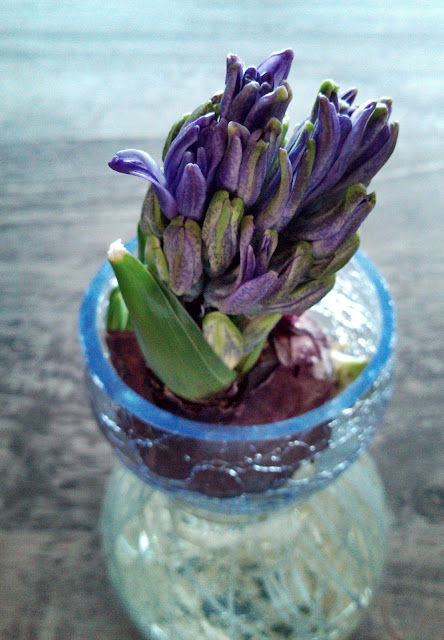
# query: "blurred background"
{"type": "Point", "coordinates": [94, 70]}
{"type": "Point", "coordinates": [83, 79]}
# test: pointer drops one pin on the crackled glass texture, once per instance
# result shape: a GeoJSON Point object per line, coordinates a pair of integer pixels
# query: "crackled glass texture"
{"type": "Point", "coordinates": [251, 469]}
{"type": "Point", "coordinates": [306, 572]}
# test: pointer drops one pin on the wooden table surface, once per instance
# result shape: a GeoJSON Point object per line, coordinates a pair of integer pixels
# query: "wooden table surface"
{"type": "Point", "coordinates": [82, 80]}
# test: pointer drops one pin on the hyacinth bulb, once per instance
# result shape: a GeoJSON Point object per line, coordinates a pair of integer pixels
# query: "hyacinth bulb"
{"type": "Point", "coordinates": [245, 221]}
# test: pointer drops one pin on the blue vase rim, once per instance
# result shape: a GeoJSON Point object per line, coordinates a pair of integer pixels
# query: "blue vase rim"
{"type": "Point", "coordinates": [105, 376]}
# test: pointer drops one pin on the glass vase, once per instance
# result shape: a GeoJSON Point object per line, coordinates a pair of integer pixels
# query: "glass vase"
{"type": "Point", "coordinates": [260, 532]}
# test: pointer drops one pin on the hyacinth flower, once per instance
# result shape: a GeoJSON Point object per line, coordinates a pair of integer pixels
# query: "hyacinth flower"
{"type": "Point", "coordinates": [244, 222]}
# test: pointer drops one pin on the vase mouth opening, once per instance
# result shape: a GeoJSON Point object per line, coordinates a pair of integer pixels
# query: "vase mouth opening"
{"type": "Point", "coordinates": [104, 375]}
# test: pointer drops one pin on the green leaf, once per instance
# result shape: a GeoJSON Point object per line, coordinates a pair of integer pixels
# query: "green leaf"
{"type": "Point", "coordinates": [171, 342]}
{"type": "Point", "coordinates": [117, 317]}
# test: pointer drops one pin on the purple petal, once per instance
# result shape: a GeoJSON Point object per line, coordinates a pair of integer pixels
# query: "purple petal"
{"type": "Point", "coordinates": [299, 185]}
{"type": "Point", "coordinates": [215, 148]}
{"type": "Point", "coordinates": [265, 88]}
{"type": "Point", "coordinates": [202, 160]}
{"type": "Point", "coordinates": [366, 166]}
{"type": "Point", "coordinates": [252, 170]}
{"type": "Point", "coordinates": [191, 193]}
{"type": "Point", "coordinates": [266, 249]}
{"type": "Point", "coordinates": [331, 225]}
{"type": "Point", "coordinates": [246, 235]}
{"type": "Point", "coordinates": [349, 96]}
{"type": "Point", "coordinates": [182, 248]}
{"type": "Point", "coordinates": [348, 145]}
{"type": "Point", "coordinates": [228, 174]}
{"type": "Point", "coordinates": [350, 224]}
{"type": "Point", "coordinates": [139, 163]}
{"type": "Point", "coordinates": [272, 133]}
{"type": "Point", "coordinates": [327, 134]}
{"type": "Point", "coordinates": [295, 154]}
{"type": "Point", "coordinates": [350, 137]}
{"type": "Point", "coordinates": [187, 137]}
{"type": "Point", "coordinates": [293, 269]}
{"type": "Point", "coordinates": [303, 297]}
{"type": "Point", "coordinates": [265, 108]}
{"type": "Point", "coordinates": [271, 209]}
{"type": "Point", "coordinates": [250, 75]}
{"type": "Point", "coordinates": [375, 125]}
{"type": "Point", "coordinates": [250, 264]}
{"type": "Point", "coordinates": [233, 82]}
{"type": "Point", "coordinates": [243, 102]}
{"type": "Point", "coordinates": [278, 65]}
{"type": "Point", "coordinates": [244, 297]}
{"type": "Point", "coordinates": [281, 108]}
{"type": "Point", "coordinates": [188, 158]}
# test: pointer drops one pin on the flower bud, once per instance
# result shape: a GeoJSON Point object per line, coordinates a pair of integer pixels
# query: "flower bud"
{"type": "Point", "coordinates": [252, 169]}
{"type": "Point", "coordinates": [332, 224]}
{"type": "Point", "coordinates": [303, 297]}
{"type": "Point", "coordinates": [341, 256]}
{"type": "Point", "coordinates": [152, 219]}
{"type": "Point", "coordinates": [182, 247]}
{"type": "Point", "coordinates": [155, 258]}
{"type": "Point", "coordinates": [220, 233]}
{"type": "Point", "coordinates": [225, 338]}
{"type": "Point", "coordinates": [191, 192]}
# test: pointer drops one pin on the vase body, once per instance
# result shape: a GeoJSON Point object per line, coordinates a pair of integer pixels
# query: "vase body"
{"type": "Point", "coordinates": [305, 572]}
{"type": "Point", "coordinates": [262, 532]}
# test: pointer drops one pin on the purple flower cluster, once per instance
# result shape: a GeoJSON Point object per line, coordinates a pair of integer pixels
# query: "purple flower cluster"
{"type": "Point", "coordinates": [249, 222]}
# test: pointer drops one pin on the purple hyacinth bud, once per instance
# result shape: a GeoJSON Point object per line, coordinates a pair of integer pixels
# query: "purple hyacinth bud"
{"type": "Point", "coordinates": [191, 193]}
{"type": "Point", "coordinates": [349, 96]}
{"type": "Point", "coordinates": [247, 261]}
{"type": "Point", "coordinates": [266, 107]}
{"type": "Point", "coordinates": [243, 298]}
{"type": "Point", "coordinates": [375, 125]}
{"type": "Point", "coordinates": [266, 249]}
{"type": "Point", "coordinates": [277, 66]}
{"type": "Point", "coordinates": [270, 211]}
{"type": "Point", "coordinates": [273, 135]}
{"type": "Point", "coordinates": [141, 164]}
{"type": "Point", "coordinates": [185, 139]}
{"type": "Point", "coordinates": [252, 169]}
{"type": "Point", "coordinates": [333, 224]}
{"type": "Point", "coordinates": [228, 174]}
{"type": "Point", "coordinates": [327, 134]}
{"type": "Point", "coordinates": [303, 297]}
{"type": "Point", "coordinates": [215, 147]}
{"type": "Point", "coordinates": [220, 233]}
{"type": "Point", "coordinates": [372, 160]}
{"type": "Point", "coordinates": [243, 102]}
{"type": "Point", "coordinates": [292, 267]}
{"type": "Point", "coordinates": [299, 185]}
{"type": "Point", "coordinates": [352, 131]}
{"type": "Point", "coordinates": [182, 247]}
{"type": "Point", "coordinates": [233, 81]}
{"type": "Point", "coordinates": [342, 255]}
{"type": "Point", "coordinates": [188, 157]}
{"type": "Point", "coordinates": [152, 219]}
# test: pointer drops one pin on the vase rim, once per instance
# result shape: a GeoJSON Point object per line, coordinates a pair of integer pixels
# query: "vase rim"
{"type": "Point", "coordinates": [105, 376]}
